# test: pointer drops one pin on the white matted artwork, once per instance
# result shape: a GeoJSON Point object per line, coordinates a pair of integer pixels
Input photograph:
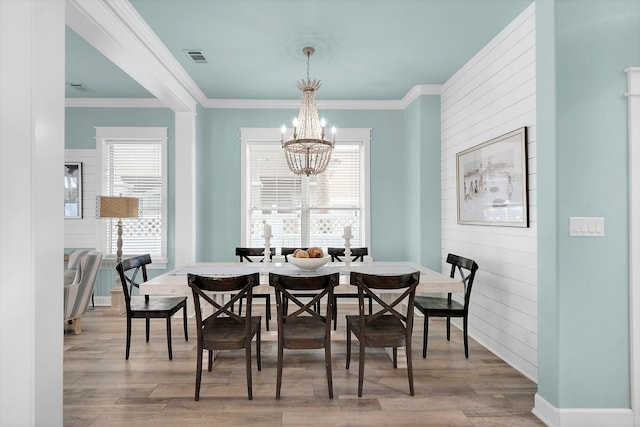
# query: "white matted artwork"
{"type": "Point", "coordinates": [492, 182]}
{"type": "Point", "coordinates": [73, 190]}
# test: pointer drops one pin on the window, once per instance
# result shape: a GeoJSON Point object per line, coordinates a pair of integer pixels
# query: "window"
{"type": "Point", "coordinates": [304, 211]}
{"type": "Point", "coordinates": [133, 164]}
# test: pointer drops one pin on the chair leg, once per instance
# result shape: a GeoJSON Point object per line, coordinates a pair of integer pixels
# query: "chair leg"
{"type": "Point", "coordinates": [247, 350]}
{"type": "Point", "coordinates": [210, 362]}
{"type": "Point", "coordinates": [395, 357]}
{"type": "Point", "coordinates": [425, 335]}
{"type": "Point", "coordinates": [184, 322]}
{"type": "Point", "coordinates": [279, 369]}
{"type": "Point", "coordinates": [370, 305]}
{"type": "Point", "coordinates": [361, 368]}
{"type": "Point", "coordinates": [448, 328]}
{"type": "Point", "coordinates": [258, 350]}
{"type": "Point", "coordinates": [146, 319]}
{"type": "Point", "coordinates": [126, 357]}
{"type": "Point", "coordinates": [268, 310]}
{"type": "Point", "coordinates": [334, 313]}
{"type": "Point", "coordinates": [169, 337]}
{"type": "Point", "coordinates": [327, 362]}
{"type": "Point", "coordinates": [77, 328]}
{"type": "Point", "coordinates": [466, 337]}
{"type": "Point", "coordinates": [199, 370]}
{"type": "Point", "coordinates": [409, 365]}
{"type": "Point", "coordinates": [348, 345]}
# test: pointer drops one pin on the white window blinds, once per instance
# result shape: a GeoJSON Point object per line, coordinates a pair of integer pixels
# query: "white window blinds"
{"type": "Point", "coordinates": [304, 211]}
{"type": "Point", "coordinates": [136, 168]}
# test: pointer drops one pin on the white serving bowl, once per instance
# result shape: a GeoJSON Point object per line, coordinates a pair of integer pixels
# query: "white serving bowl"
{"type": "Point", "coordinates": [309, 263]}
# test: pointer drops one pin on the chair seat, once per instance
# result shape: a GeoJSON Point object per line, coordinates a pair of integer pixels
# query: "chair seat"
{"type": "Point", "coordinates": [225, 333]}
{"type": "Point", "coordinates": [158, 307]}
{"type": "Point", "coordinates": [385, 331]}
{"type": "Point", "coordinates": [304, 333]}
{"type": "Point", "coordinates": [439, 306]}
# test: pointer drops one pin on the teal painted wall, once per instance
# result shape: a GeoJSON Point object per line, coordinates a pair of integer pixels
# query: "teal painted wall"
{"type": "Point", "coordinates": [412, 129]}
{"type": "Point", "coordinates": [548, 304]}
{"type": "Point", "coordinates": [219, 176]}
{"type": "Point", "coordinates": [430, 183]}
{"type": "Point", "coordinates": [422, 177]}
{"type": "Point", "coordinates": [588, 349]}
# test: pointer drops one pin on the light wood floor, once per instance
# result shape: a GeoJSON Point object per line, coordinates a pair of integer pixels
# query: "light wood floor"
{"type": "Point", "coordinates": [102, 389]}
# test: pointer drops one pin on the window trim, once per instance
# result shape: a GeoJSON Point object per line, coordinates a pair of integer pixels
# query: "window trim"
{"type": "Point", "coordinates": [105, 134]}
{"type": "Point", "coordinates": [344, 135]}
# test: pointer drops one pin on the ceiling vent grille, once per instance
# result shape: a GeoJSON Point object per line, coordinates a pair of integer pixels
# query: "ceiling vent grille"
{"type": "Point", "coordinates": [196, 56]}
{"type": "Point", "coordinates": [81, 87]}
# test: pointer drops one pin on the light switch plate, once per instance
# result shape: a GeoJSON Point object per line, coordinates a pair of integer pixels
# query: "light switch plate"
{"type": "Point", "coordinates": [580, 226]}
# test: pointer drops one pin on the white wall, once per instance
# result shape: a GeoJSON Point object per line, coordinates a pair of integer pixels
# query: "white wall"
{"type": "Point", "coordinates": [494, 93]}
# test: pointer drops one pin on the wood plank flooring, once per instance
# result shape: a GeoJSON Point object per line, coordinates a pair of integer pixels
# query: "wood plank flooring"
{"type": "Point", "coordinates": [101, 388]}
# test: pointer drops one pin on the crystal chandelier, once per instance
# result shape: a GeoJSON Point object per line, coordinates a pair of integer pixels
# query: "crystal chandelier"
{"type": "Point", "coordinates": [307, 152]}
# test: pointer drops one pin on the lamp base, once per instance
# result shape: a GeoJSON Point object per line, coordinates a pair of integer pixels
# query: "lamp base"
{"type": "Point", "coordinates": [117, 298]}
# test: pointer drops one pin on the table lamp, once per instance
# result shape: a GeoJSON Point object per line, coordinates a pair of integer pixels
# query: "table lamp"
{"type": "Point", "coordinates": [117, 207]}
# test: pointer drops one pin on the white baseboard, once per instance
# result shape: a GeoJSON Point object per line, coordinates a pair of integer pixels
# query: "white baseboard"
{"type": "Point", "coordinates": [581, 417]}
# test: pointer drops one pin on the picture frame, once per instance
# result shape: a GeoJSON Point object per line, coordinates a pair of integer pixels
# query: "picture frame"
{"type": "Point", "coordinates": [73, 189]}
{"type": "Point", "coordinates": [492, 182]}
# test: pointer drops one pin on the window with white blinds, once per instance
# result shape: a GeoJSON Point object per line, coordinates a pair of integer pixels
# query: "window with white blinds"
{"type": "Point", "coordinates": [134, 165]}
{"type": "Point", "coordinates": [304, 211]}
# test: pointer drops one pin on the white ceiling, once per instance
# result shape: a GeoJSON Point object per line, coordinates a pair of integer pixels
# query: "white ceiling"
{"type": "Point", "coordinates": [365, 49]}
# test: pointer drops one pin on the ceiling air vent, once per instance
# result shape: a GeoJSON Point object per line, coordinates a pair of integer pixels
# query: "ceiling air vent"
{"type": "Point", "coordinates": [196, 56]}
{"type": "Point", "coordinates": [81, 87]}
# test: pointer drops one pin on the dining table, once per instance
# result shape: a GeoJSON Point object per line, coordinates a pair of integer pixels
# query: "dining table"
{"type": "Point", "coordinates": [174, 282]}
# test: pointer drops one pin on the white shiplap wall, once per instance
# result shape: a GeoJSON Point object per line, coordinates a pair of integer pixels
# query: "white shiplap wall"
{"type": "Point", "coordinates": [492, 94]}
{"type": "Point", "coordinates": [81, 232]}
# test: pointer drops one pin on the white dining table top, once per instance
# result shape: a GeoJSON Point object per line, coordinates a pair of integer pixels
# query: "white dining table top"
{"type": "Point", "coordinates": [175, 281]}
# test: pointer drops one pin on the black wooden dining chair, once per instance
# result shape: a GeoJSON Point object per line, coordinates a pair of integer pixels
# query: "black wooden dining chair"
{"type": "Point", "coordinates": [387, 327]}
{"type": "Point", "coordinates": [304, 328]}
{"type": "Point", "coordinates": [286, 252]}
{"type": "Point", "coordinates": [447, 307]}
{"type": "Point", "coordinates": [337, 255]}
{"type": "Point", "coordinates": [151, 308]}
{"type": "Point", "coordinates": [256, 255]}
{"type": "Point", "coordinates": [223, 329]}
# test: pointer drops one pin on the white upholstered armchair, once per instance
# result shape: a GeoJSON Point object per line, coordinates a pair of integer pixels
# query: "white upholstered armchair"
{"type": "Point", "coordinates": [78, 287]}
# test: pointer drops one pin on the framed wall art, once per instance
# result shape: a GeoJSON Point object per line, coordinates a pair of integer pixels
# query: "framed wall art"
{"type": "Point", "coordinates": [492, 182]}
{"type": "Point", "coordinates": [73, 190]}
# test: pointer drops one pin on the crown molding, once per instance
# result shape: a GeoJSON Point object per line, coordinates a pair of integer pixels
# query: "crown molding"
{"type": "Point", "coordinates": [295, 104]}
{"type": "Point", "coordinates": [418, 91]}
{"type": "Point", "coordinates": [114, 103]}
{"type": "Point", "coordinates": [262, 104]}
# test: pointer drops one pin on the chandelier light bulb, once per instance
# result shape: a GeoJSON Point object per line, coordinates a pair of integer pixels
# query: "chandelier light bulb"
{"type": "Point", "coordinates": [295, 122]}
{"type": "Point", "coordinates": [323, 122]}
